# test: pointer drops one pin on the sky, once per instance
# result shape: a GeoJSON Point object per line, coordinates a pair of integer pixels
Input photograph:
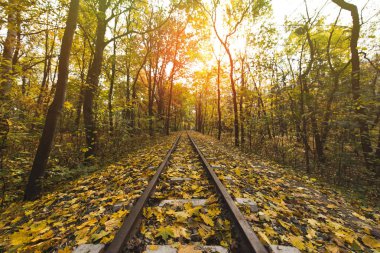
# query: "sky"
{"type": "Point", "coordinates": [293, 9]}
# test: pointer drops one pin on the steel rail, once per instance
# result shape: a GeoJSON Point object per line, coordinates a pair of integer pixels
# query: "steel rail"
{"type": "Point", "coordinates": [248, 240]}
{"type": "Point", "coordinates": [131, 222]}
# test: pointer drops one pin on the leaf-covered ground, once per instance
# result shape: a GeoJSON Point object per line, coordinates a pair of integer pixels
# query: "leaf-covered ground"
{"type": "Point", "coordinates": [293, 210]}
{"type": "Point", "coordinates": [185, 224]}
{"type": "Point", "coordinates": [82, 211]}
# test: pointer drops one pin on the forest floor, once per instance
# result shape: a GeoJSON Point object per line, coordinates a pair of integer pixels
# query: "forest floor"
{"type": "Point", "coordinates": [293, 210]}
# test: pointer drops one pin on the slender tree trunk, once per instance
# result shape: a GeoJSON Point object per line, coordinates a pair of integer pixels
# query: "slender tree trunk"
{"type": "Point", "coordinates": [219, 109]}
{"type": "Point", "coordinates": [150, 101]}
{"type": "Point", "coordinates": [16, 54]}
{"type": "Point", "coordinates": [167, 123]}
{"type": "Point", "coordinates": [81, 90]}
{"type": "Point", "coordinates": [34, 185]}
{"type": "Point", "coordinates": [242, 90]}
{"type": "Point", "coordinates": [360, 111]}
{"type": "Point", "coordinates": [92, 83]}
{"type": "Point", "coordinates": [112, 83]}
{"type": "Point", "coordinates": [234, 97]}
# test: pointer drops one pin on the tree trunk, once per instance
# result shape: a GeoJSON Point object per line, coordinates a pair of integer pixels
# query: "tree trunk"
{"type": "Point", "coordinates": [234, 97]}
{"type": "Point", "coordinates": [112, 83]}
{"type": "Point", "coordinates": [355, 80]}
{"type": "Point", "coordinates": [242, 90]}
{"type": "Point", "coordinates": [92, 83]}
{"type": "Point", "coordinates": [6, 73]}
{"type": "Point", "coordinates": [150, 101]}
{"type": "Point", "coordinates": [8, 51]}
{"type": "Point", "coordinates": [34, 185]}
{"type": "Point", "coordinates": [219, 109]}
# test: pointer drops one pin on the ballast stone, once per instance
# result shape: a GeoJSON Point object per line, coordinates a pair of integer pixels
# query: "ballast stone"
{"type": "Point", "coordinates": [283, 249]}
{"type": "Point", "coordinates": [252, 204]}
{"type": "Point", "coordinates": [89, 248]}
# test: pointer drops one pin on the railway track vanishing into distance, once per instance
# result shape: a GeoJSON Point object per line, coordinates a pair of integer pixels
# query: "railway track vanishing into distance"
{"type": "Point", "coordinates": [203, 183]}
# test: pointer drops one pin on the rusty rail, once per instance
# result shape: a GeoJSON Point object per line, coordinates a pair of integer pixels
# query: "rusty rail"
{"type": "Point", "coordinates": [130, 224]}
{"type": "Point", "coordinates": [248, 240]}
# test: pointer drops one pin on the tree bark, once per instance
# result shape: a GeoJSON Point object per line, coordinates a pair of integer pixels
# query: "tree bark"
{"type": "Point", "coordinates": [6, 73]}
{"type": "Point", "coordinates": [8, 51]}
{"type": "Point", "coordinates": [112, 83]}
{"type": "Point", "coordinates": [34, 185]}
{"type": "Point", "coordinates": [242, 90]}
{"type": "Point", "coordinates": [219, 109]}
{"type": "Point", "coordinates": [355, 80]}
{"type": "Point", "coordinates": [92, 83]}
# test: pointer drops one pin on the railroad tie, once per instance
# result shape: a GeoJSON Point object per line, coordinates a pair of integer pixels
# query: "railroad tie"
{"type": "Point", "coordinates": [171, 249]}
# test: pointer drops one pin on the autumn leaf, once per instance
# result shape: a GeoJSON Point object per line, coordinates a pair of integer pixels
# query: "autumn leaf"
{"type": "Point", "coordinates": [182, 216]}
{"type": "Point", "coordinates": [180, 231]}
{"type": "Point", "coordinates": [264, 238]}
{"type": "Point", "coordinates": [19, 238]}
{"type": "Point", "coordinates": [207, 219]}
{"type": "Point", "coordinates": [371, 242]}
{"type": "Point", "coordinates": [100, 235]}
{"type": "Point", "coordinates": [332, 248]}
{"type": "Point", "coordinates": [188, 249]}
{"type": "Point", "coordinates": [165, 232]}
{"type": "Point", "coordinates": [297, 241]}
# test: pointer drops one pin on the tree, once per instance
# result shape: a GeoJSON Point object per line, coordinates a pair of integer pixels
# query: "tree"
{"type": "Point", "coordinates": [6, 66]}
{"type": "Point", "coordinates": [238, 19]}
{"type": "Point", "coordinates": [37, 173]}
{"type": "Point", "coordinates": [360, 110]}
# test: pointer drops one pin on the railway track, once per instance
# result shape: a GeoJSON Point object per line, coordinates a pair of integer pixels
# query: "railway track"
{"type": "Point", "coordinates": [186, 204]}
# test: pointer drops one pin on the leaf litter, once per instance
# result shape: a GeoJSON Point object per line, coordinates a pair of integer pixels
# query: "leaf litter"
{"type": "Point", "coordinates": [82, 211]}
{"type": "Point", "coordinates": [293, 210]}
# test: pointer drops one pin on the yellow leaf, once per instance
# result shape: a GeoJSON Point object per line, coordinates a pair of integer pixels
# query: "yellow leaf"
{"type": "Point", "coordinates": [205, 232]}
{"type": "Point", "coordinates": [188, 249]}
{"type": "Point", "coordinates": [270, 231]}
{"type": "Point", "coordinates": [371, 242]}
{"type": "Point", "coordinates": [165, 232]}
{"type": "Point", "coordinates": [312, 222]}
{"type": "Point", "coordinates": [224, 244]}
{"type": "Point", "coordinates": [112, 224]}
{"type": "Point", "coordinates": [297, 241]}
{"type": "Point", "coordinates": [331, 206]}
{"type": "Point", "coordinates": [213, 212]}
{"type": "Point", "coordinates": [44, 236]}
{"type": "Point", "coordinates": [19, 238]}
{"type": "Point", "coordinates": [64, 250]}
{"type": "Point", "coordinates": [358, 216]}
{"type": "Point", "coordinates": [207, 219]}
{"type": "Point", "coordinates": [181, 216]}
{"type": "Point", "coordinates": [332, 248]}
{"type": "Point", "coordinates": [99, 235]}
{"type": "Point", "coordinates": [263, 238]}
{"type": "Point", "coordinates": [180, 231]}
{"type": "Point", "coordinates": [153, 247]}
{"type": "Point", "coordinates": [284, 224]}
{"type": "Point", "coordinates": [311, 233]}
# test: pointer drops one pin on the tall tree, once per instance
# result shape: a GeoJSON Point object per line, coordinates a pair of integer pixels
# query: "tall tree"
{"type": "Point", "coordinates": [236, 19]}
{"type": "Point", "coordinates": [92, 81]}
{"type": "Point", "coordinates": [37, 173]}
{"type": "Point", "coordinates": [6, 67]}
{"type": "Point", "coordinates": [360, 110]}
